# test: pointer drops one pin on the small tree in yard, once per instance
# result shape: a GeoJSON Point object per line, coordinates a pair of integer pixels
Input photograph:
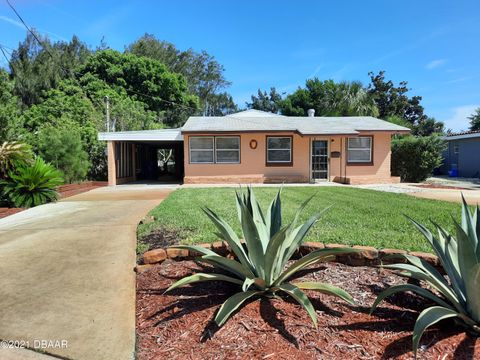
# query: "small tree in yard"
{"type": "Point", "coordinates": [415, 158]}
{"type": "Point", "coordinates": [62, 147]}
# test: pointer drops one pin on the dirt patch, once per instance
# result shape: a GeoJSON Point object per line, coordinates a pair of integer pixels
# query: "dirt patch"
{"type": "Point", "coordinates": [438, 186]}
{"type": "Point", "coordinates": [161, 238]}
{"type": "Point", "coordinates": [179, 325]}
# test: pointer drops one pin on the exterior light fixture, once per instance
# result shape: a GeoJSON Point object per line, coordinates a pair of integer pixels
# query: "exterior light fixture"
{"type": "Point", "coordinates": [253, 144]}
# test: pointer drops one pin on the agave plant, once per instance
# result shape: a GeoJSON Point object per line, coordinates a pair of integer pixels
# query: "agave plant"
{"type": "Point", "coordinates": [32, 185]}
{"type": "Point", "coordinates": [13, 154]}
{"type": "Point", "coordinates": [459, 255]}
{"type": "Point", "coordinates": [261, 269]}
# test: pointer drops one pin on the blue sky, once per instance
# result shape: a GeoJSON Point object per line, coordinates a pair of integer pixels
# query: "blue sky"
{"type": "Point", "coordinates": [434, 45]}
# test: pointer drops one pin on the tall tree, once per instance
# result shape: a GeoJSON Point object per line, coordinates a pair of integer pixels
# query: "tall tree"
{"type": "Point", "coordinates": [264, 101]}
{"type": "Point", "coordinates": [329, 98]}
{"type": "Point", "coordinates": [204, 75]}
{"type": "Point", "coordinates": [475, 120]}
{"type": "Point", "coordinates": [393, 100]}
{"type": "Point", "coordinates": [144, 79]}
{"type": "Point", "coordinates": [37, 68]}
{"type": "Point", "coordinates": [11, 124]}
{"type": "Point", "coordinates": [220, 105]}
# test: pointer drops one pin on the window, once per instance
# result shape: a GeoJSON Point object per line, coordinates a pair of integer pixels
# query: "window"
{"type": "Point", "coordinates": [201, 149]}
{"type": "Point", "coordinates": [279, 150]}
{"type": "Point", "coordinates": [456, 149]}
{"type": "Point", "coordinates": [360, 149]}
{"type": "Point", "coordinates": [214, 149]}
{"type": "Point", "coordinates": [227, 149]}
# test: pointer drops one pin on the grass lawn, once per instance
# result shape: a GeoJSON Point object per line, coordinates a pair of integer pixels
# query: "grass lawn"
{"type": "Point", "coordinates": [357, 216]}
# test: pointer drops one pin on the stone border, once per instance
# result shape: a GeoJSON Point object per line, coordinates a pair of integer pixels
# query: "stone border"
{"type": "Point", "coordinates": [367, 256]}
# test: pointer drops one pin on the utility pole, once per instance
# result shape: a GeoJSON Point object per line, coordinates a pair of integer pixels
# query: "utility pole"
{"type": "Point", "coordinates": [107, 112]}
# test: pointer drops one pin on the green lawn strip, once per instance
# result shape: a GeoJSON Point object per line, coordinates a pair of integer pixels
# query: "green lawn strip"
{"type": "Point", "coordinates": [357, 216]}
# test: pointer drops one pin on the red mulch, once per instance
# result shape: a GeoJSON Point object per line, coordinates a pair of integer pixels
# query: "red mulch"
{"type": "Point", "coordinates": [179, 325]}
{"type": "Point", "coordinates": [68, 190]}
{"type": "Point", "coordinates": [4, 212]}
{"type": "Point", "coordinates": [64, 191]}
{"type": "Point", "coordinates": [438, 186]}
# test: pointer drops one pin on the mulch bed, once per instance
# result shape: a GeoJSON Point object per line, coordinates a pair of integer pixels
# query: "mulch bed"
{"type": "Point", "coordinates": [438, 186]}
{"type": "Point", "coordinates": [4, 212]}
{"type": "Point", "coordinates": [68, 190]}
{"type": "Point", "coordinates": [179, 325]}
{"type": "Point", "coordinates": [64, 191]}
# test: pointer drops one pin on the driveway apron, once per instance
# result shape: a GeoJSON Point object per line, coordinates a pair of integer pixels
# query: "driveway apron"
{"type": "Point", "coordinates": [67, 285]}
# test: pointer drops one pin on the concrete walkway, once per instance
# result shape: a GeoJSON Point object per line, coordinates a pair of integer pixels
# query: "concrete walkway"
{"type": "Point", "coordinates": [66, 275]}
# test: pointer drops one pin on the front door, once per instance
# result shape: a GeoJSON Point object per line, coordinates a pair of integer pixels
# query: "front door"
{"type": "Point", "coordinates": [319, 160]}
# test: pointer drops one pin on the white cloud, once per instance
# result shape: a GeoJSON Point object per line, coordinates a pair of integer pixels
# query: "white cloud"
{"type": "Point", "coordinates": [435, 64]}
{"type": "Point", "coordinates": [21, 26]}
{"type": "Point", "coordinates": [458, 121]}
{"type": "Point", "coordinates": [11, 21]}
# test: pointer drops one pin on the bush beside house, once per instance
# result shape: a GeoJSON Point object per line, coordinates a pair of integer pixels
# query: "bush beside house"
{"type": "Point", "coordinates": [415, 158]}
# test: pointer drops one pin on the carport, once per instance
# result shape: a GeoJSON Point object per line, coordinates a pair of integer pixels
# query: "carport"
{"type": "Point", "coordinates": [153, 156]}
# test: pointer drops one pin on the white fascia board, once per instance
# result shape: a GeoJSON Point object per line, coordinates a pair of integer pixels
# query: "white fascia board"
{"type": "Point", "coordinates": [146, 135]}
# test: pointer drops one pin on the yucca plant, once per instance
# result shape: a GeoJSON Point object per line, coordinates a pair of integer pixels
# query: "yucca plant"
{"type": "Point", "coordinates": [13, 154]}
{"type": "Point", "coordinates": [32, 185]}
{"type": "Point", "coordinates": [261, 269]}
{"type": "Point", "coordinates": [459, 297]}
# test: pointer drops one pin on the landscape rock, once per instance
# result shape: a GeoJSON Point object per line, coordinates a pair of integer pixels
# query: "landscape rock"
{"type": "Point", "coordinates": [154, 256]}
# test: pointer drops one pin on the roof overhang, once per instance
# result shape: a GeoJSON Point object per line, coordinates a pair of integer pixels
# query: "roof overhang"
{"type": "Point", "coordinates": [164, 135]}
{"type": "Point", "coordinates": [462, 136]}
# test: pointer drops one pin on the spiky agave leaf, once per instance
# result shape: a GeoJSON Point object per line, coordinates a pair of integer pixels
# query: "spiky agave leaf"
{"type": "Point", "coordinates": [260, 268]}
{"type": "Point", "coordinates": [199, 277]}
{"type": "Point", "coordinates": [326, 289]}
{"type": "Point", "coordinates": [308, 260]}
{"type": "Point", "coordinates": [232, 304]}
{"type": "Point", "coordinates": [301, 298]}
{"type": "Point", "coordinates": [460, 260]}
{"type": "Point", "coordinates": [427, 318]}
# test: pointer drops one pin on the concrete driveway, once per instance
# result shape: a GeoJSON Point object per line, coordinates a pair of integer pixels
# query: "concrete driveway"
{"type": "Point", "coordinates": [67, 285]}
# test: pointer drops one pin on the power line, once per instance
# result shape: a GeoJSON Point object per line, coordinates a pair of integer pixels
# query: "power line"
{"type": "Point", "coordinates": [29, 30]}
{"type": "Point", "coordinates": [70, 72]}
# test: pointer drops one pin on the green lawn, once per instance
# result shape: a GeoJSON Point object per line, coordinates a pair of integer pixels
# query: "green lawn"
{"type": "Point", "coordinates": [357, 216]}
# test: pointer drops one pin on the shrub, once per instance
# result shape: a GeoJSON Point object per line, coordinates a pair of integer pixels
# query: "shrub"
{"type": "Point", "coordinates": [261, 269]}
{"type": "Point", "coordinates": [460, 257]}
{"type": "Point", "coordinates": [62, 147]}
{"type": "Point", "coordinates": [32, 185]}
{"type": "Point", "coordinates": [415, 158]}
{"type": "Point", "coordinates": [13, 154]}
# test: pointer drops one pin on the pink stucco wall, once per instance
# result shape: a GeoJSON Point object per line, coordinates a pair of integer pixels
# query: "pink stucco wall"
{"type": "Point", "coordinates": [253, 168]}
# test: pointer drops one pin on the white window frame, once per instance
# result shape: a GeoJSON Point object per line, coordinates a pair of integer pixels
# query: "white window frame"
{"type": "Point", "coordinates": [370, 138]}
{"type": "Point", "coordinates": [290, 150]}
{"type": "Point", "coordinates": [216, 149]}
{"type": "Point", "coordinates": [199, 150]}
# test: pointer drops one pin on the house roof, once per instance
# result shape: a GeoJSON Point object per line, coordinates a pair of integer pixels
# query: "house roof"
{"type": "Point", "coordinates": [143, 135]}
{"type": "Point", "coordinates": [463, 135]}
{"type": "Point", "coordinates": [259, 121]}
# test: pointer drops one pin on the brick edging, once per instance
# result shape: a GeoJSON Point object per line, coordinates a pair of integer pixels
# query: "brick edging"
{"type": "Point", "coordinates": [368, 255]}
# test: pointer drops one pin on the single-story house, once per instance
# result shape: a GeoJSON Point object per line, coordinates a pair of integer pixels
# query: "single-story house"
{"type": "Point", "coordinates": [462, 154]}
{"type": "Point", "coordinates": [257, 147]}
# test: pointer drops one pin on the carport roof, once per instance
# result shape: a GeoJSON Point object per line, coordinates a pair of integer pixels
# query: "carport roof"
{"type": "Point", "coordinates": [143, 135]}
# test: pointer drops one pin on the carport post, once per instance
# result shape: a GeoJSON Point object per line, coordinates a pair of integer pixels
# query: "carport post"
{"type": "Point", "coordinates": [112, 171]}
